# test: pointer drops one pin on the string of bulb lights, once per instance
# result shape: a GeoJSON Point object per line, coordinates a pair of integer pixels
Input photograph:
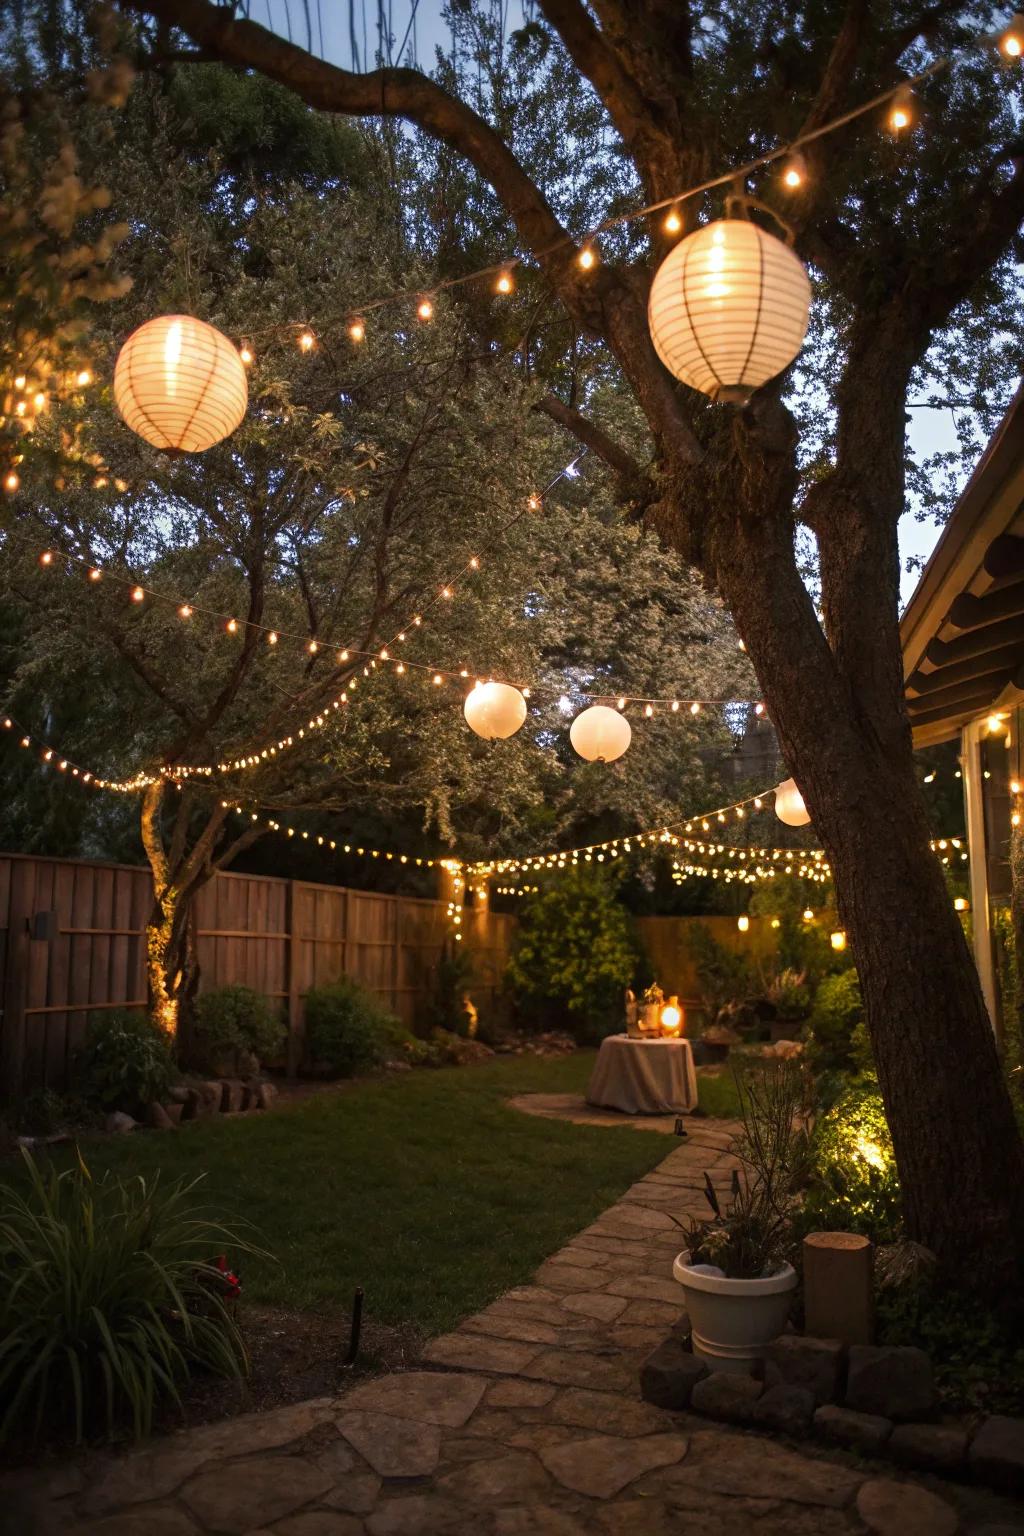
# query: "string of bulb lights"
{"type": "Point", "coordinates": [899, 100]}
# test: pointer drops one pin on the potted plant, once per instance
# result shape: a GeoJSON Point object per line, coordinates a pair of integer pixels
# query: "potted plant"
{"type": "Point", "coordinates": [734, 1270]}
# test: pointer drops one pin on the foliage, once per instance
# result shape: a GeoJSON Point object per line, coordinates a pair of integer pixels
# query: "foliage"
{"type": "Point", "coordinates": [574, 950]}
{"type": "Point", "coordinates": [126, 1060]}
{"type": "Point", "coordinates": [109, 1298]}
{"type": "Point", "coordinates": [751, 1235]}
{"type": "Point", "coordinates": [235, 1021]}
{"type": "Point", "coordinates": [725, 976]}
{"type": "Point", "coordinates": [446, 1005]}
{"type": "Point", "coordinates": [976, 1354]}
{"type": "Point", "coordinates": [854, 1185]}
{"type": "Point", "coordinates": [838, 1010]}
{"type": "Point", "coordinates": [788, 993]}
{"type": "Point", "coordinates": [348, 1030]}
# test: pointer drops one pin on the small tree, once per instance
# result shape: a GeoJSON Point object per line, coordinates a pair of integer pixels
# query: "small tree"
{"type": "Point", "coordinates": [575, 953]}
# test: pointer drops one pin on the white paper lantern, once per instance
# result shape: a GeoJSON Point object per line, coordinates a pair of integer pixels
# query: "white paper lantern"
{"type": "Point", "coordinates": [494, 710]}
{"type": "Point", "coordinates": [180, 384]}
{"type": "Point", "coordinates": [600, 734]}
{"type": "Point", "coordinates": [728, 308]}
{"type": "Point", "coordinates": [789, 805]}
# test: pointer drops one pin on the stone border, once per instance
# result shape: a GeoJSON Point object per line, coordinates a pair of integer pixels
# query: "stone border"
{"type": "Point", "coordinates": [875, 1400]}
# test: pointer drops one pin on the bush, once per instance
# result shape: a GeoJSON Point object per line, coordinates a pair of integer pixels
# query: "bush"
{"type": "Point", "coordinates": [725, 976]}
{"type": "Point", "coordinates": [110, 1296]}
{"type": "Point", "coordinates": [232, 1023]}
{"type": "Point", "coordinates": [575, 954]}
{"type": "Point", "coordinates": [838, 1009]}
{"type": "Point", "coordinates": [854, 1186]}
{"type": "Point", "coordinates": [348, 1031]}
{"type": "Point", "coordinates": [126, 1062]}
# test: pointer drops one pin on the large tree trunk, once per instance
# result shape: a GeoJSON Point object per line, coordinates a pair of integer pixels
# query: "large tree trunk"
{"type": "Point", "coordinates": [844, 734]}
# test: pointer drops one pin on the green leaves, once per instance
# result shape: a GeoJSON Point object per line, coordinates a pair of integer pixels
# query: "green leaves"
{"type": "Point", "coordinates": [109, 1299]}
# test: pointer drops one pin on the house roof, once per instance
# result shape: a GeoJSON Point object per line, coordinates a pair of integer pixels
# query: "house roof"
{"type": "Point", "coordinates": [963, 630]}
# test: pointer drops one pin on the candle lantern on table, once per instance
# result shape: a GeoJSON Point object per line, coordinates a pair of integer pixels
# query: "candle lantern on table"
{"type": "Point", "coordinates": [672, 1018]}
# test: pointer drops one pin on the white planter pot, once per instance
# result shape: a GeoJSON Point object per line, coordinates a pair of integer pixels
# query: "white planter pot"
{"type": "Point", "coordinates": [733, 1321]}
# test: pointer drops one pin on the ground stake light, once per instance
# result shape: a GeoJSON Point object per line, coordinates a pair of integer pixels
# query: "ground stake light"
{"type": "Point", "coordinates": [600, 734]}
{"type": "Point", "coordinates": [180, 384]}
{"type": "Point", "coordinates": [789, 805]}
{"type": "Point", "coordinates": [494, 711]}
{"type": "Point", "coordinates": [728, 308]}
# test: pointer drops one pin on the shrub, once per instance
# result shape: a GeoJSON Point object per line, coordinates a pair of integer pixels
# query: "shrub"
{"type": "Point", "coordinates": [126, 1061]}
{"type": "Point", "coordinates": [854, 1186]}
{"type": "Point", "coordinates": [838, 1009]}
{"type": "Point", "coordinates": [349, 1031]}
{"type": "Point", "coordinates": [110, 1296]}
{"type": "Point", "coordinates": [725, 976]}
{"type": "Point", "coordinates": [232, 1023]}
{"type": "Point", "coordinates": [575, 954]}
{"type": "Point", "coordinates": [789, 995]}
{"type": "Point", "coordinates": [446, 1007]}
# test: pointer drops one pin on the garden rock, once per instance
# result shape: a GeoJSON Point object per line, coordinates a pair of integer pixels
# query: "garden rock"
{"type": "Point", "coordinates": [178, 1094]}
{"type": "Point", "coordinates": [797, 1360]}
{"type": "Point", "coordinates": [203, 1099]}
{"type": "Point", "coordinates": [120, 1124]}
{"type": "Point", "coordinates": [724, 1396]}
{"type": "Point", "coordinates": [933, 1447]}
{"type": "Point", "coordinates": [669, 1375]}
{"type": "Point", "coordinates": [903, 1509]}
{"type": "Point", "coordinates": [865, 1432]}
{"type": "Point", "coordinates": [232, 1095]}
{"type": "Point", "coordinates": [788, 1410]}
{"type": "Point", "coordinates": [997, 1454]}
{"type": "Point", "coordinates": [266, 1093]}
{"type": "Point", "coordinates": [892, 1380]}
{"type": "Point", "coordinates": [159, 1119]}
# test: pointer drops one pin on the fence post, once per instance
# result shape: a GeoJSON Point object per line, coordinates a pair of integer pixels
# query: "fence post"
{"type": "Point", "coordinates": [292, 967]}
{"type": "Point", "coordinates": [15, 1001]}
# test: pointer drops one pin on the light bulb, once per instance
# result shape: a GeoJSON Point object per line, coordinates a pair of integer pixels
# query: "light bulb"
{"type": "Point", "coordinates": [232, 626]}
{"type": "Point", "coordinates": [533, 502]}
{"type": "Point", "coordinates": [185, 611]}
{"type": "Point", "coordinates": [245, 354]}
{"type": "Point", "coordinates": [11, 480]}
{"type": "Point", "coordinates": [83, 378]}
{"type": "Point", "coordinates": [586, 258]}
{"type": "Point", "coordinates": [425, 309]}
{"type": "Point", "coordinates": [138, 595]}
{"type": "Point", "coordinates": [673, 223]}
{"type": "Point", "coordinates": [901, 112]}
{"type": "Point", "coordinates": [794, 172]}
{"type": "Point", "coordinates": [1011, 44]}
{"type": "Point", "coordinates": [272, 637]}
{"type": "Point", "coordinates": [95, 574]}
{"type": "Point", "coordinates": [357, 331]}
{"type": "Point", "coordinates": [504, 283]}
{"type": "Point", "coordinates": [307, 341]}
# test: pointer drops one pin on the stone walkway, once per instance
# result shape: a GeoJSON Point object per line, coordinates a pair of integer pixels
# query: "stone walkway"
{"type": "Point", "coordinates": [526, 1421]}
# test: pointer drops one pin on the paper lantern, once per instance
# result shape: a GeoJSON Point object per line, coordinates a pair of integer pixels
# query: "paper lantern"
{"type": "Point", "coordinates": [789, 805]}
{"type": "Point", "coordinates": [180, 384]}
{"type": "Point", "coordinates": [600, 734]}
{"type": "Point", "coordinates": [494, 710]}
{"type": "Point", "coordinates": [728, 309]}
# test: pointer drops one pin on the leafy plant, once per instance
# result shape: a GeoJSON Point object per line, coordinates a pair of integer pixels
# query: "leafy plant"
{"type": "Point", "coordinates": [977, 1355]}
{"type": "Point", "coordinates": [725, 976]}
{"type": "Point", "coordinates": [788, 992]}
{"type": "Point", "coordinates": [446, 1008]}
{"type": "Point", "coordinates": [348, 1031]}
{"type": "Point", "coordinates": [126, 1061]}
{"type": "Point", "coordinates": [752, 1234]}
{"type": "Point", "coordinates": [110, 1297]}
{"type": "Point", "coordinates": [575, 953]}
{"type": "Point", "coordinates": [854, 1185]}
{"type": "Point", "coordinates": [235, 1022]}
{"type": "Point", "coordinates": [838, 1009]}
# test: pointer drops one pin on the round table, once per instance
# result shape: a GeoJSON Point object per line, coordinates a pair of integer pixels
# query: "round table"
{"type": "Point", "coordinates": [644, 1077]}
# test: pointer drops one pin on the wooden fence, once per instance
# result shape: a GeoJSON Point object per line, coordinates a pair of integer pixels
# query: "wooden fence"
{"type": "Point", "coordinates": [72, 943]}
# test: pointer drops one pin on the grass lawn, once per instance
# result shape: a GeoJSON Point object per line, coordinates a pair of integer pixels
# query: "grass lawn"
{"type": "Point", "coordinates": [422, 1187]}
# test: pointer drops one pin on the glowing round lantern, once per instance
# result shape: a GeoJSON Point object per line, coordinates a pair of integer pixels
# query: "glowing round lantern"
{"type": "Point", "coordinates": [494, 710]}
{"type": "Point", "coordinates": [600, 734]}
{"type": "Point", "coordinates": [728, 308]}
{"type": "Point", "coordinates": [672, 1018]}
{"type": "Point", "coordinates": [180, 384]}
{"type": "Point", "coordinates": [789, 805]}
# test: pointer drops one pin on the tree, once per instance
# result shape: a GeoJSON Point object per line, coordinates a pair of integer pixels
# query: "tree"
{"type": "Point", "coordinates": [909, 243]}
{"type": "Point", "coordinates": [363, 478]}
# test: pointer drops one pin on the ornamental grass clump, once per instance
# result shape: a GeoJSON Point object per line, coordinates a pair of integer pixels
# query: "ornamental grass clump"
{"type": "Point", "coordinates": [113, 1292]}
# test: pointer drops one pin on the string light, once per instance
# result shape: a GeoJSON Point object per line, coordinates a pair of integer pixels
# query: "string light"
{"type": "Point", "coordinates": [673, 222]}
{"type": "Point", "coordinates": [794, 173]}
{"type": "Point", "coordinates": [901, 110]}
{"type": "Point", "coordinates": [245, 354]}
{"type": "Point", "coordinates": [357, 331]}
{"type": "Point", "coordinates": [1011, 43]}
{"type": "Point", "coordinates": [425, 309]}
{"type": "Point", "coordinates": [11, 481]}
{"type": "Point", "coordinates": [138, 595]}
{"type": "Point", "coordinates": [587, 258]}
{"type": "Point", "coordinates": [504, 283]}
{"type": "Point", "coordinates": [307, 341]}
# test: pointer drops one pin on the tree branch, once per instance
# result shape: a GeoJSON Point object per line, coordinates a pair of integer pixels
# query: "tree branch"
{"type": "Point", "coordinates": [633, 476]}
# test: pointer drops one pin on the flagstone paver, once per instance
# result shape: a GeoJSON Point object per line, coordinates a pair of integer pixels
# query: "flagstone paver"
{"type": "Point", "coordinates": [524, 1421]}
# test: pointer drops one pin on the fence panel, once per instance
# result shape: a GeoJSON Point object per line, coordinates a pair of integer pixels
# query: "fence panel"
{"type": "Point", "coordinates": [279, 937]}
